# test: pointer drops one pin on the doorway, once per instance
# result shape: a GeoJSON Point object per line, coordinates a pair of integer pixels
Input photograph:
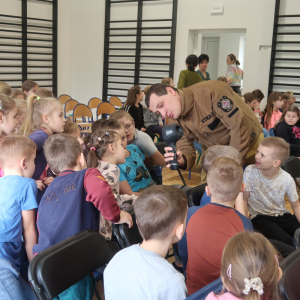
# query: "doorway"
{"type": "Point", "coordinates": [210, 46]}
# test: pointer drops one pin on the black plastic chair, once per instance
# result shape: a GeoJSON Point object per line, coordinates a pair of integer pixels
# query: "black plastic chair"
{"type": "Point", "coordinates": [292, 166]}
{"type": "Point", "coordinates": [195, 194]}
{"type": "Point", "coordinates": [127, 236]}
{"type": "Point", "coordinates": [289, 284]}
{"type": "Point", "coordinates": [54, 270]}
{"type": "Point", "coordinates": [297, 238]}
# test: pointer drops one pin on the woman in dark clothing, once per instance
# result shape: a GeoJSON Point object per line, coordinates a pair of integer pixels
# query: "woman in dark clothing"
{"type": "Point", "coordinates": [132, 105]}
{"type": "Point", "coordinates": [288, 129]}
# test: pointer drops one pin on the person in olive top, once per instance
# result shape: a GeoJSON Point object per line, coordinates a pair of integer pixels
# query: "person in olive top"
{"type": "Point", "coordinates": [189, 77]}
{"type": "Point", "coordinates": [203, 60]}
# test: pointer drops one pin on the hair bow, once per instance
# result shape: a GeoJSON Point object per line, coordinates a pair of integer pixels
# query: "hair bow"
{"type": "Point", "coordinates": [106, 133]}
{"type": "Point", "coordinates": [38, 98]}
{"type": "Point", "coordinates": [254, 284]}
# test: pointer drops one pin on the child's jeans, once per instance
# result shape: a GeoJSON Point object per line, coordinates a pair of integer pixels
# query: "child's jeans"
{"type": "Point", "coordinates": [12, 286]}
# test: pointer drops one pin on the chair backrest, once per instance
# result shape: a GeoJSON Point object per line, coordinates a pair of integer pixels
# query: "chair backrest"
{"type": "Point", "coordinates": [54, 270]}
{"type": "Point", "coordinates": [216, 287]}
{"type": "Point", "coordinates": [127, 236]}
{"type": "Point", "coordinates": [64, 98]}
{"type": "Point", "coordinates": [105, 108]}
{"type": "Point", "coordinates": [81, 110]}
{"type": "Point", "coordinates": [289, 284]}
{"type": "Point", "coordinates": [114, 100]}
{"type": "Point", "coordinates": [292, 166]}
{"type": "Point", "coordinates": [195, 194]}
{"type": "Point", "coordinates": [297, 238]}
{"type": "Point", "coordinates": [70, 104]}
{"type": "Point", "coordinates": [94, 102]}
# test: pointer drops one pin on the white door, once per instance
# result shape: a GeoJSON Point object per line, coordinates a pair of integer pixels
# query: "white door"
{"type": "Point", "coordinates": [210, 46]}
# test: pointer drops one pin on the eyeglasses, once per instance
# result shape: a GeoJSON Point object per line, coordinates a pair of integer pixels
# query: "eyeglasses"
{"type": "Point", "coordinates": [128, 127]}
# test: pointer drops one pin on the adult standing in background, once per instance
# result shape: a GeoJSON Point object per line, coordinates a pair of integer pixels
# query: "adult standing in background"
{"type": "Point", "coordinates": [189, 77]}
{"type": "Point", "coordinates": [203, 62]}
{"type": "Point", "coordinates": [234, 73]}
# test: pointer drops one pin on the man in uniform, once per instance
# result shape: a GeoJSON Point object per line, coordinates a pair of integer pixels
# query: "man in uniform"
{"type": "Point", "coordinates": [209, 112]}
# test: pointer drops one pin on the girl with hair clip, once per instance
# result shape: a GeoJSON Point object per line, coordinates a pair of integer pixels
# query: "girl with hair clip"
{"type": "Point", "coordinates": [249, 269]}
{"type": "Point", "coordinates": [288, 128]}
{"type": "Point", "coordinates": [189, 76]}
{"type": "Point", "coordinates": [8, 117]}
{"type": "Point", "coordinates": [271, 113]}
{"type": "Point", "coordinates": [105, 153]}
{"type": "Point", "coordinates": [234, 74]}
{"type": "Point", "coordinates": [44, 117]}
{"type": "Point", "coordinates": [132, 105]}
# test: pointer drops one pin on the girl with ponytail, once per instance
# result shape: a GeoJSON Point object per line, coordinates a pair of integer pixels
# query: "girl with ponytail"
{"type": "Point", "coordinates": [249, 269]}
{"type": "Point", "coordinates": [44, 117]}
{"type": "Point", "coordinates": [189, 76]}
{"type": "Point", "coordinates": [105, 153]}
{"type": "Point", "coordinates": [234, 73]}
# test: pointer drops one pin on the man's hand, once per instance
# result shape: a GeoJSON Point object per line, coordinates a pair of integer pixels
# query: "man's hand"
{"type": "Point", "coordinates": [170, 156]}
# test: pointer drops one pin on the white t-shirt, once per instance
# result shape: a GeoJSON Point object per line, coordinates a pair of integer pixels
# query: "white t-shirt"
{"type": "Point", "coordinates": [135, 273]}
{"type": "Point", "coordinates": [267, 195]}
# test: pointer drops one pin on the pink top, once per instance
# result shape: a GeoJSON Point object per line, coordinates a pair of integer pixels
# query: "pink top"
{"type": "Point", "coordinates": [274, 119]}
{"type": "Point", "coordinates": [225, 296]}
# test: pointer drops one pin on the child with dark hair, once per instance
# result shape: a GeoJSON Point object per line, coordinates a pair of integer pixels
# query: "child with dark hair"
{"type": "Point", "coordinates": [258, 94]}
{"type": "Point", "coordinates": [72, 203]}
{"type": "Point", "coordinates": [132, 105]}
{"type": "Point", "coordinates": [161, 213]}
{"type": "Point", "coordinates": [189, 76]}
{"type": "Point", "coordinates": [168, 81]}
{"type": "Point", "coordinates": [44, 93]}
{"type": "Point", "coordinates": [288, 128]}
{"type": "Point", "coordinates": [29, 87]}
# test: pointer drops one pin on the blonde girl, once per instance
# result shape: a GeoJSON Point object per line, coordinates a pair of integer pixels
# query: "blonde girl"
{"type": "Point", "coordinates": [272, 111]}
{"type": "Point", "coordinates": [249, 269]}
{"type": "Point", "coordinates": [105, 153]}
{"type": "Point", "coordinates": [45, 116]}
{"type": "Point", "coordinates": [8, 117]}
{"type": "Point", "coordinates": [22, 111]}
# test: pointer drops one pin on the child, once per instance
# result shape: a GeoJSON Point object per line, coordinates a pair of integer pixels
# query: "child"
{"type": "Point", "coordinates": [8, 117]}
{"type": "Point", "coordinates": [288, 99]}
{"type": "Point", "coordinates": [258, 94]}
{"type": "Point", "coordinates": [29, 87]}
{"type": "Point", "coordinates": [45, 117]}
{"type": "Point", "coordinates": [134, 176]}
{"type": "Point", "coordinates": [211, 154]}
{"type": "Point", "coordinates": [253, 103]}
{"type": "Point", "coordinates": [132, 105]}
{"type": "Point", "coordinates": [249, 269]}
{"type": "Point", "coordinates": [105, 153]}
{"type": "Point", "coordinates": [22, 111]}
{"type": "Point", "coordinates": [18, 203]}
{"type": "Point", "coordinates": [72, 201]}
{"type": "Point", "coordinates": [288, 129]}
{"type": "Point", "coordinates": [153, 122]}
{"type": "Point", "coordinates": [18, 94]}
{"type": "Point", "coordinates": [73, 129]}
{"type": "Point", "coordinates": [222, 78]}
{"type": "Point", "coordinates": [271, 112]}
{"type": "Point", "coordinates": [161, 213]}
{"type": "Point", "coordinates": [266, 186]}
{"type": "Point", "coordinates": [168, 81]}
{"type": "Point", "coordinates": [5, 89]}
{"type": "Point", "coordinates": [44, 93]}
{"type": "Point", "coordinates": [209, 227]}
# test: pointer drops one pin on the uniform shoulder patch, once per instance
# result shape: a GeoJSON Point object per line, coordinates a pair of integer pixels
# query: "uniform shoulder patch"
{"type": "Point", "coordinates": [225, 104]}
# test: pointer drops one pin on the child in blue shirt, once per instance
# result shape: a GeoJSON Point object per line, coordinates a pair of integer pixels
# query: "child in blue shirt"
{"type": "Point", "coordinates": [18, 202]}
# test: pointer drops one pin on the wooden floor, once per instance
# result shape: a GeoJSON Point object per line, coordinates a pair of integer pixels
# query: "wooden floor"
{"type": "Point", "coordinates": [171, 177]}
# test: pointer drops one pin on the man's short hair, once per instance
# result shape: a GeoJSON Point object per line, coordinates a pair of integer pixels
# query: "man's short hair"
{"type": "Point", "coordinates": [225, 178]}
{"type": "Point", "coordinates": [281, 149]}
{"type": "Point", "coordinates": [121, 114]}
{"type": "Point", "coordinates": [159, 89]}
{"type": "Point", "coordinates": [158, 210]}
{"type": "Point", "coordinates": [249, 97]}
{"type": "Point", "coordinates": [14, 147]}
{"type": "Point", "coordinates": [258, 94]}
{"type": "Point", "coordinates": [216, 151]}
{"type": "Point", "coordinates": [62, 151]}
